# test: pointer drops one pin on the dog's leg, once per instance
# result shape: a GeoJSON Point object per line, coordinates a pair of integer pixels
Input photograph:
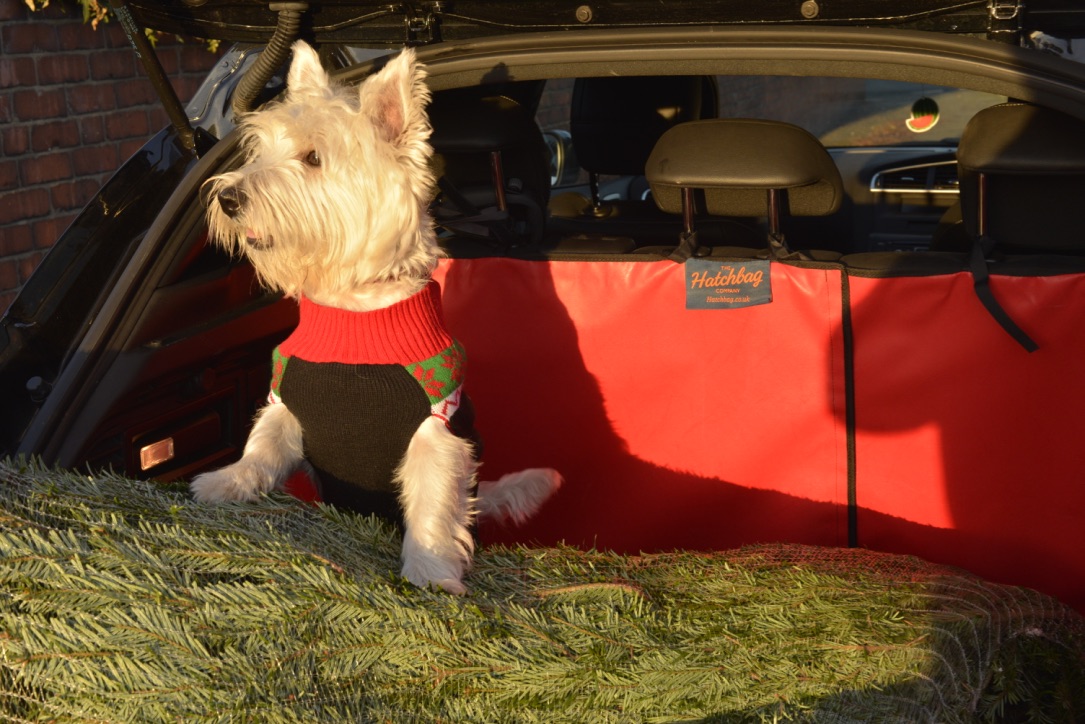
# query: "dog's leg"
{"type": "Point", "coordinates": [435, 479]}
{"type": "Point", "coordinates": [272, 453]}
{"type": "Point", "coordinates": [516, 496]}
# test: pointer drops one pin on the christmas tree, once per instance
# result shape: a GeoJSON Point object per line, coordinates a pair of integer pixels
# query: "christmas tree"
{"type": "Point", "coordinates": [124, 600]}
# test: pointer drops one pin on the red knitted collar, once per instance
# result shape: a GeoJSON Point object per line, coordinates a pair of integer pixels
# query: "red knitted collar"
{"type": "Point", "coordinates": [406, 332]}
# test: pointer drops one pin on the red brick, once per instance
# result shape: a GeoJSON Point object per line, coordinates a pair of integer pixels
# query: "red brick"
{"type": "Point", "coordinates": [170, 58]}
{"type": "Point", "coordinates": [5, 107]}
{"type": "Point", "coordinates": [136, 92]}
{"type": "Point", "coordinates": [27, 204]}
{"type": "Point", "coordinates": [79, 36]}
{"type": "Point", "coordinates": [64, 68]}
{"type": "Point", "coordinates": [92, 129]}
{"type": "Point", "coordinates": [157, 119]}
{"type": "Point", "coordinates": [69, 12]}
{"type": "Point", "coordinates": [186, 87]}
{"type": "Point", "coordinates": [127, 124]}
{"type": "Point", "coordinates": [111, 64]}
{"type": "Point", "coordinates": [42, 169]}
{"type": "Point", "coordinates": [94, 159]}
{"type": "Point", "coordinates": [73, 195]}
{"type": "Point", "coordinates": [16, 72]}
{"type": "Point", "coordinates": [54, 134]}
{"type": "Point", "coordinates": [27, 264]}
{"type": "Point", "coordinates": [92, 97]}
{"type": "Point", "coordinates": [129, 148]}
{"type": "Point", "coordinates": [167, 40]}
{"type": "Point", "coordinates": [196, 58]}
{"type": "Point", "coordinates": [9, 174]}
{"type": "Point", "coordinates": [14, 140]}
{"type": "Point", "coordinates": [34, 105]}
{"type": "Point", "coordinates": [9, 274]}
{"type": "Point", "coordinates": [47, 231]}
{"type": "Point", "coordinates": [22, 38]}
{"type": "Point", "coordinates": [112, 35]}
{"type": "Point", "coordinates": [15, 239]}
{"type": "Point", "coordinates": [13, 10]}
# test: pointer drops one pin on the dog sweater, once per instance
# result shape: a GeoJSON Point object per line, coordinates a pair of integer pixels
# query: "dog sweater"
{"type": "Point", "coordinates": [360, 384]}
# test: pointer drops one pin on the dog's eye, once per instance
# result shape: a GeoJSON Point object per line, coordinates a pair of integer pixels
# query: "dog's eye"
{"type": "Point", "coordinates": [313, 159]}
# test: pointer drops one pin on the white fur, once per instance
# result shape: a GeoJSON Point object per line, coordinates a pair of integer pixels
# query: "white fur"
{"type": "Point", "coordinates": [353, 231]}
{"type": "Point", "coordinates": [316, 228]}
{"type": "Point", "coordinates": [272, 452]}
{"type": "Point", "coordinates": [435, 478]}
{"type": "Point", "coordinates": [516, 496]}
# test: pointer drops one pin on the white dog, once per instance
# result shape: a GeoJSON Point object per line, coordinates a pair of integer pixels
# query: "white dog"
{"type": "Point", "coordinates": [331, 208]}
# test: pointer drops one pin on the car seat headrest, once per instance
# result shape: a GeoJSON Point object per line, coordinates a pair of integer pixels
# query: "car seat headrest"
{"type": "Point", "coordinates": [1032, 161]}
{"type": "Point", "coordinates": [615, 121]}
{"type": "Point", "coordinates": [1017, 138]}
{"type": "Point", "coordinates": [473, 125]}
{"type": "Point", "coordinates": [492, 163]}
{"type": "Point", "coordinates": [736, 161]}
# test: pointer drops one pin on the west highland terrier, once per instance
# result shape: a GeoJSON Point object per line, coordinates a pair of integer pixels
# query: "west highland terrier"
{"type": "Point", "coordinates": [331, 208]}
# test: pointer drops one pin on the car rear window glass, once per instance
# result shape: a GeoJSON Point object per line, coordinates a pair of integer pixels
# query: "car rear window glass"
{"type": "Point", "coordinates": [847, 112]}
{"type": "Point", "coordinates": [841, 112]}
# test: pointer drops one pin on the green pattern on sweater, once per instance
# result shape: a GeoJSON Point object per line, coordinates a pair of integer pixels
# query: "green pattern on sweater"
{"type": "Point", "coordinates": [439, 376]}
{"type": "Point", "coordinates": [278, 368]}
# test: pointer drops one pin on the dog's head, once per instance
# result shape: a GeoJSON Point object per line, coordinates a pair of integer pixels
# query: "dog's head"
{"type": "Point", "coordinates": [334, 191]}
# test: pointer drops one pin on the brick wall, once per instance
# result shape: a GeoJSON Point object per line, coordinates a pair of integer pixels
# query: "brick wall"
{"type": "Point", "coordinates": [74, 104]}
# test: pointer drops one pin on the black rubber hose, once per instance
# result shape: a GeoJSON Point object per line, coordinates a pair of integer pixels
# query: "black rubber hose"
{"type": "Point", "coordinates": [271, 58]}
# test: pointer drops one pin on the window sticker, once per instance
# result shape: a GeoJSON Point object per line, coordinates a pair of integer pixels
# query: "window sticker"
{"type": "Point", "coordinates": [727, 284]}
{"type": "Point", "coordinates": [924, 116]}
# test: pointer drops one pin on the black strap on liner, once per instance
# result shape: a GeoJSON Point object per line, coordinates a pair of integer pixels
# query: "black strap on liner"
{"type": "Point", "coordinates": [687, 247]}
{"type": "Point", "coordinates": [977, 261]}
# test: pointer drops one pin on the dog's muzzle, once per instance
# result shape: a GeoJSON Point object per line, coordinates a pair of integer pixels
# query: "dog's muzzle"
{"type": "Point", "coordinates": [231, 201]}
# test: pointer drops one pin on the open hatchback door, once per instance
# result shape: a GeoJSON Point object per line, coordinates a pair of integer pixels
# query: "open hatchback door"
{"type": "Point", "coordinates": [744, 272]}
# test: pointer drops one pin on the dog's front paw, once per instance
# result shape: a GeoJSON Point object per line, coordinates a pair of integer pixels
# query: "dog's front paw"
{"type": "Point", "coordinates": [425, 569]}
{"type": "Point", "coordinates": [448, 585]}
{"type": "Point", "coordinates": [241, 482]}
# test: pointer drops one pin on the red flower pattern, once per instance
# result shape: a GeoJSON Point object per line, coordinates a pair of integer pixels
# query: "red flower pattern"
{"type": "Point", "coordinates": [429, 383]}
{"type": "Point", "coordinates": [277, 375]}
{"type": "Point", "coordinates": [453, 359]}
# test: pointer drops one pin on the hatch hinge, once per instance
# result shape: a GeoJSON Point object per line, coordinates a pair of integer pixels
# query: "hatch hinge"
{"type": "Point", "coordinates": [195, 141]}
{"type": "Point", "coordinates": [422, 24]}
{"type": "Point", "coordinates": [1005, 19]}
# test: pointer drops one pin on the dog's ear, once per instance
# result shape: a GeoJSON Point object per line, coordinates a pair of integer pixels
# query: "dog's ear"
{"type": "Point", "coordinates": [395, 100]}
{"type": "Point", "coordinates": [306, 74]}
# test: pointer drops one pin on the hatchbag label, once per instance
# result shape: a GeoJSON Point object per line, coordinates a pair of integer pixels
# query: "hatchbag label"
{"type": "Point", "coordinates": [727, 284]}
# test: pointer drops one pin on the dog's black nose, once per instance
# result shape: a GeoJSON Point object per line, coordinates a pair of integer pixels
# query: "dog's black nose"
{"type": "Point", "coordinates": [231, 200]}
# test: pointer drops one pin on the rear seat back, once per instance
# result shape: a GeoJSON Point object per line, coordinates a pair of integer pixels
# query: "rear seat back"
{"type": "Point", "coordinates": [963, 432]}
{"type": "Point", "coordinates": [869, 401]}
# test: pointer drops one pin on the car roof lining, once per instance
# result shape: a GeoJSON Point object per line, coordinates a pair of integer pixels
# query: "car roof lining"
{"type": "Point", "coordinates": [838, 52]}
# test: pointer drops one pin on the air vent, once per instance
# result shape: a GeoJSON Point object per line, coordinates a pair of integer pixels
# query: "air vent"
{"type": "Point", "coordinates": [945, 178]}
{"type": "Point", "coordinates": [927, 178]}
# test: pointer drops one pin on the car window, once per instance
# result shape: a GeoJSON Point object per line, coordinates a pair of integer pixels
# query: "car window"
{"type": "Point", "coordinates": [849, 112]}
{"type": "Point", "coordinates": [841, 112]}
